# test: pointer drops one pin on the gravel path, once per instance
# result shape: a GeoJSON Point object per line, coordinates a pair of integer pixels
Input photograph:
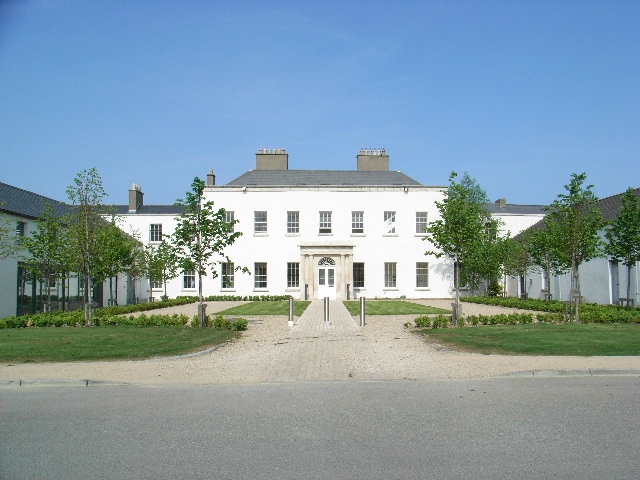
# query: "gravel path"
{"type": "Point", "coordinates": [271, 351]}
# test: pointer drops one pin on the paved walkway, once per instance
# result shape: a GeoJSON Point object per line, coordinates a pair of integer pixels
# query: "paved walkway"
{"type": "Point", "coordinates": [271, 351]}
{"type": "Point", "coordinates": [316, 349]}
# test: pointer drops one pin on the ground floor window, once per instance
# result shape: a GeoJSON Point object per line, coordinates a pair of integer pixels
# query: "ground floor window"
{"type": "Point", "coordinates": [189, 279]}
{"type": "Point", "coordinates": [260, 275]}
{"type": "Point", "coordinates": [390, 275]}
{"type": "Point", "coordinates": [228, 277]}
{"type": "Point", "coordinates": [358, 275]}
{"type": "Point", "coordinates": [293, 275]}
{"type": "Point", "coordinates": [422, 275]}
{"type": "Point", "coordinates": [156, 285]}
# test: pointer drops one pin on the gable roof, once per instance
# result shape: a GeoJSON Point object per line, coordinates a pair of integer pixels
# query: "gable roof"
{"type": "Point", "coordinates": [609, 207]}
{"type": "Point", "coordinates": [28, 204]}
{"type": "Point", "coordinates": [278, 178]}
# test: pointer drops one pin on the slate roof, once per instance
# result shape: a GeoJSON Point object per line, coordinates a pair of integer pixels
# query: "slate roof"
{"type": "Point", "coordinates": [609, 206]}
{"type": "Point", "coordinates": [281, 178]}
{"type": "Point", "coordinates": [151, 210]}
{"type": "Point", "coordinates": [516, 209]}
{"type": "Point", "coordinates": [27, 204]}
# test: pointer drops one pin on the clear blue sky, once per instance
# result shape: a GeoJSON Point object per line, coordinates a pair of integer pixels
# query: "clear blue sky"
{"type": "Point", "coordinates": [519, 94]}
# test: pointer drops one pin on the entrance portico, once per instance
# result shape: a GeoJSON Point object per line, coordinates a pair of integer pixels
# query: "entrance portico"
{"type": "Point", "coordinates": [327, 269]}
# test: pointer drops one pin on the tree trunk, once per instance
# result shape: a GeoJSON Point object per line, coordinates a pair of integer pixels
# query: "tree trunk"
{"type": "Point", "coordinates": [628, 285]}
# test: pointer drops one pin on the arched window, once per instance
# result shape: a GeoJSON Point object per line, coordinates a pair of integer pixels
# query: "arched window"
{"type": "Point", "coordinates": [327, 261]}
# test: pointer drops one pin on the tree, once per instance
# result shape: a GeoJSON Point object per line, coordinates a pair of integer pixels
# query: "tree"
{"type": "Point", "coordinates": [572, 227]}
{"type": "Point", "coordinates": [49, 250]}
{"type": "Point", "coordinates": [8, 242]}
{"type": "Point", "coordinates": [161, 264]}
{"type": "Point", "coordinates": [116, 254]}
{"type": "Point", "coordinates": [201, 237]}
{"type": "Point", "coordinates": [85, 222]}
{"type": "Point", "coordinates": [465, 230]}
{"type": "Point", "coordinates": [623, 235]}
{"type": "Point", "coordinates": [518, 260]}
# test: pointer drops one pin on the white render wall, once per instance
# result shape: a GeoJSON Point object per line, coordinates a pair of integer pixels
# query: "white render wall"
{"type": "Point", "coordinates": [277, 248]}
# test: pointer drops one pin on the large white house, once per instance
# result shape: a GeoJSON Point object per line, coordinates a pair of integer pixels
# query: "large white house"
{"type": "Point", "coordinates": [312, 234]}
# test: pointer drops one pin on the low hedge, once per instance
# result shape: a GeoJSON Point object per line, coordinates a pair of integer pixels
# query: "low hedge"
{"type": "Point", "coordinates": [557, 306]}
{"type": "Point", "coordinates": [237, 324]}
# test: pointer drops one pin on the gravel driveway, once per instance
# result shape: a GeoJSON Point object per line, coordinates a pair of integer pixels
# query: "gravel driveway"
{"type": "Point", "coordinates": [271, 351]}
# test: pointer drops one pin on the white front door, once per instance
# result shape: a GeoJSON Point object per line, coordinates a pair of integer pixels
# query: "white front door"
{"type": "Point", "coordinates": [327, 282]}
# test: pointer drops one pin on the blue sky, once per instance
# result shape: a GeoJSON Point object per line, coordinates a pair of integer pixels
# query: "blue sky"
{"type": "Point", "coordinates": [519, 94]}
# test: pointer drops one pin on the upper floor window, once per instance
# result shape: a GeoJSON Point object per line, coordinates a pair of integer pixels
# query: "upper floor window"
{"type": "Point", "coordinates": [421, 222]}
{"type": "Point", "coordinates": [293, 222]}
{"type": "Point", "coordinates": [357, 222]}
{"type": "Point", "coordinates": [389, 222]}
{"type": "Point", "coordinates": [260, 222]}
{"type": "Point", "coordinates": [20, 229]}
{"type": "Point", "coordinates": [155, 232]}
{"type": "Point", "coordinates": [230, 217]}
{"type": "Point", "coordinates": [325, 222]}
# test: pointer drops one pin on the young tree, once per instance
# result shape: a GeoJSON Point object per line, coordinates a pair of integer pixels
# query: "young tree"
{"type": "Point", "coordinates": [85, 222]}
{"type": "Point", "coordinates": [161, 264]}
{"type": "Point", "coordinates": [518, 260]}
{"type": "Point", "coordinates": [201, 237]}
{"type": "Point", "coordinates": [8, 245]}
{"type": "Point", "coordinates": [465, 230]}
{"type": "Point", "coordinates": [572, 224]}
{"type": "Point", "coordinates": [117, 254]}
{"type": "Point", "coordinates": [623, 235]}
{"type": "Point", "coordinates": [49, 250]}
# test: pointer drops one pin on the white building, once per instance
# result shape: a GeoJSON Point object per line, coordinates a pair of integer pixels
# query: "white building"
{"type": "Point", "coordinates": [323, 233]}
{"type": "Point", "coordinates": [603, 280]}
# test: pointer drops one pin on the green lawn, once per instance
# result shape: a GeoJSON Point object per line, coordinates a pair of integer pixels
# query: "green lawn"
{"type": "Point", "coordinates": [543, 339]}
{"type": "Point", "coordinates": [64, 344]}
{"type": "Point", "coordinates": [392, 307]}
{"type": "Point", "coordinates": [267, 308]}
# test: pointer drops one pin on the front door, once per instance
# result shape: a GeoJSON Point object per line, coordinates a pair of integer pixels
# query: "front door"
{"type": "Point", "coordinates": [327, 282]}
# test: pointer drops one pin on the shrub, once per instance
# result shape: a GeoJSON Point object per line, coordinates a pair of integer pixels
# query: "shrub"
{"type": "Point", "coordinates": [239, 325]}
{"type": "Point", "coordinates": [221, 322]}
{"type": "Point", "coordinates": [423, 322]}
{"type": "Point", "coordinates": [441, 321]}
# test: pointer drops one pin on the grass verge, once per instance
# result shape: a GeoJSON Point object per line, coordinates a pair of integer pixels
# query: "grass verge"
{"type": "Point", "coordinates": [23, 345]}
{"type": "Point", "coordinates": [391, 307]}
{"type": "Point", "coordinates": [543, 339]}
{"type": "Point", "coordinates": [266, 308]}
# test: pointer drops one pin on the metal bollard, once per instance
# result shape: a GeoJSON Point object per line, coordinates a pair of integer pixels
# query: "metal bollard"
{"type": "Point", "coordinates": [291, 311]}
{"type": "Point", "coordinates": [362, 312]}
{"type": "Point", "coordinates": [326, 310]}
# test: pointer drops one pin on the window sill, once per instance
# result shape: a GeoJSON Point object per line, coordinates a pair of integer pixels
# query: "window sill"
{"type": "Point", "coordinates": [390, 289]}
{"type": "Point", "coordinates": [292, 235]}
{"type": "Point", "coordinates": [189, 290]}
{"type": "Point", "coordinates": [260, 289]}
{"type": "Point", "coordinates": [358, 234]}
{"type": "Point", "coordinates": [423, 289]}
{"type": "Point", "coordinates": [227, 289]}
{"type": "Point", "coordinates": [260, 234]}
{"type": "Point", "coordinates": [292, 289]}
{"type": "Point", "coordinates": [389, 234]}
{"type": "Point", "coordinates": [325, 234]}
{"type": "Point", "coordinates": [420, 235]}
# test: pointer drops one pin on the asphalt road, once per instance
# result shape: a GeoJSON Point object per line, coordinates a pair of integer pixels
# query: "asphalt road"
{"type": "Point", "coordinates": [499, 428]}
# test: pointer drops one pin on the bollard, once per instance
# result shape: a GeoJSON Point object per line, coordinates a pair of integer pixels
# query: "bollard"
{"type": "Point", "coordinates": [291, 311]}
{"type": "Point", "coordinates": [362, 312]}
{"type": "Point", "coordinates": [326, 310]}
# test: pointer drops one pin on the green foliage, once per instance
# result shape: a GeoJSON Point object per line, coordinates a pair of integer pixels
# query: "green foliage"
{"type": "Point", "coordinates": [239, 324]}
{"type": "Point", "coordinates": [494, 289]}
{"type": "Point", "coordinates": [9, 246]}
{"type": "Point", "coordinates": [160, 263]}
{"type": "Point", "coordinates": [466, 233]}
{"type": "Point", "coordinates": [201, 235]}
{"type": "Point", "coordinates": [623, 235]}
{"type": "Point", "coordinates": [440, 322]}
{"type": "Point", "coordinates": [423, 322]}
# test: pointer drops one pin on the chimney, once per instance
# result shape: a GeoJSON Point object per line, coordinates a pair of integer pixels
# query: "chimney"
{"type": "Point", "coordinates": [373, 160]}
{"type": "Point", "coordinates": [135, 198]}
{"type": "Point", "coordinates": [211, 178]}
{"type": "Point", "coordinates": [272, 159]}
{"type": "Point", "coordinates": [502, 202]}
